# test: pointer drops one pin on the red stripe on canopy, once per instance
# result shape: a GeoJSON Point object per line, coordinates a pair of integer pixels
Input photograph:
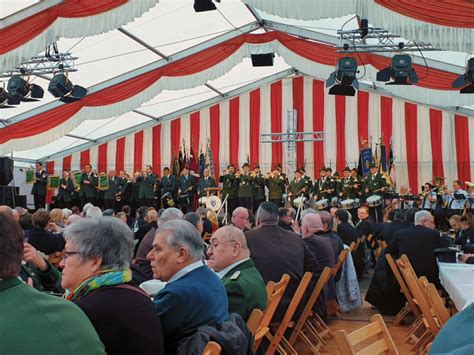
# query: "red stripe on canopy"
{"type": "Point", "coordinates": [412, 145]}
{"type": "Point", "coordinates": [318, 124]}
{"type": "Point", "coordinates": [462, 134]}
{"type": "Point", "coordinates": [102, 158]}
{"type": "Point", "coordinates": [156, 149]}
{"type": "Point", "coordinates": [436, 131]}
{"type": "Point", "coordinates": [67, 163]}
{"type": "Point", "coordinates": [138, 151]}
{"type": "Point", "coordinates": [86, 158]}
{"type": "Point", "coordinates": [255, 127]}
{"type": "Point", "coordinates": [234, 131]}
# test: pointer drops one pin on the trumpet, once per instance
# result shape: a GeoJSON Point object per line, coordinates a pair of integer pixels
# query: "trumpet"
{"type": "Point", "coordinates": [118, 196]}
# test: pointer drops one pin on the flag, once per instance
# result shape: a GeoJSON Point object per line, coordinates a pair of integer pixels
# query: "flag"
{"type": "Point", "coordinates": [202, 164]}
{"type": "Point", "coordinates": [365, 161]}
{"type": "Point", "coordinates": [391, 160]}
{"type": "Point", "coordinates": [383, 158]}
{"type": "Point", "coordinates": [175, 170]}
{"type": "Point", "coordinates": [192, 162]}
{"type": "Point", "coordinates": [211, 158]}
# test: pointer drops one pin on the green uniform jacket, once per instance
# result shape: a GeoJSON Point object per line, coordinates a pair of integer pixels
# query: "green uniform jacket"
{"type": "Point", "coordinates": [258, 187]}
{"type": "Point", "coordinates": [230, 185]}
{"type": "Point", "coordinates": [309, 182]}
{"type": "Point", "coordinates": [39, 187]}
{"type": "Point", "coordinates": [346, 188]}
{"type": "Point", "coordinates": [147, 186]}
{"type": "Point", "coordinates": [49, 280]}
{"type": "Point", "coordinates": [245, 289]}
{"type": "Point", "coordinates": [65, 194]}
{"type": "Point", "coordinates": [114, 184]}
{"type": "Point", "coordinates": [89, 190]}
{"type": "Point", "coordinates": [245, 185]}
{"type": "Point", "coordinates": [36, 323]}
{"type": "Point", "coordinates": [320, 187]}
{"type": "Point", "coordinates": [374, 182]}
{"type": "Point", "coordinates": [205, 184]}
{"type": "Point", "coordinates": [276, 186]}
{"type": "Point", "coordinates": [296, 187]}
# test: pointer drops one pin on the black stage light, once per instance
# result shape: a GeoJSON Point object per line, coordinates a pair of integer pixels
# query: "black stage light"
{"type": "Point", "coordinates": [21, 90]}
{"type": "Point", "coordinates": [3, 97]}
{"type": "Point", "coordinates": [262, 60]}
{"type": "Point", "coordinates": [401, 71]}
{"type": "Point", "coordinates": [60, 86]}
{"type": "Point", "coordinates": [466, 81]}
{"type": "Point", "coordinates": [344, 81]}
{"type": "Point", "coordinates": [204, 5]}
{"type": "Point", "coordinates": [364, 28]}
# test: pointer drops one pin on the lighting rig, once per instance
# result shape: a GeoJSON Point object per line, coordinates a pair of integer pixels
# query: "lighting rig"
{"type": "Point", "coordinates": [19, 88]}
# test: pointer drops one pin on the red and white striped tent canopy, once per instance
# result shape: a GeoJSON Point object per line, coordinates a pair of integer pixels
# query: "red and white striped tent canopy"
{"type": "Point", "coordinates": [158, 73]}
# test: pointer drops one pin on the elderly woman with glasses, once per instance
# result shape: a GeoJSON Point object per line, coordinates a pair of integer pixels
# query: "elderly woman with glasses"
{"type": "Point", "coordinates": [96, 273]}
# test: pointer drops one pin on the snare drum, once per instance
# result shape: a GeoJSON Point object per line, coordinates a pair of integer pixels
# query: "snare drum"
{"type": "Point", "coordinates": [322, 204]}
{"type": "Point", "coordinates": [374, 201]}
{"type": "Point", "coordinates": [203, 201]}
{"type": "Point", "coordinates": [168, 200]}
{"type": "Point", "coordinates": [348, 204]}
{"type": "Point", "coordinates": [299, 201]}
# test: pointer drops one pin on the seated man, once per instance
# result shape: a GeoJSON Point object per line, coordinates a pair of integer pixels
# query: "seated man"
{"type": "Point", "coordinates": [33, 322]}
{"type": "Point", "coordinates": [229, 256]}
{"type": "Point", "coordinates": [193, 295]}
{"type": "Point", "coordinates": [40, 238]}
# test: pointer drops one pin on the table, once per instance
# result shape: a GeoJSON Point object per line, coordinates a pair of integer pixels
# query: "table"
{"type": "Point", "coordinates": [458, 281]}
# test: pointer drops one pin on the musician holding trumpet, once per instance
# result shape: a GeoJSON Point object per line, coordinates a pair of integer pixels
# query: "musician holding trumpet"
{"type": "Point", "coordinates": [230, 187]}
{"type": "Point", "coordinates": [111, 192]}
{"type": "Point", "coordinates": [297, 187]}
{"type": "Point", "coordinates": [245, 181]}
{"type": "Point", "coordinates": [147, 182]}
{"type": "Point", "coordinates": [88, 186]}
{"type": "Point", "coordinates": [65, 190]}
{"type": "Point", "coordinates": [276, 185]}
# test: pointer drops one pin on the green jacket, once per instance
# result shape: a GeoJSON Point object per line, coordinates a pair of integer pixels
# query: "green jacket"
{"type": "Point", "coordinates": [245, 289]}
{"type": "Point", "coordinates": [275, 186]}
{"type": "Point", "coordinates": [230, 186]}
{"type": "Point", "coordinates": [36, 323]}
{"type": "Point", "coordinates": [114, 184]}
{"type": "Point", "coordinates": [147, 186]}
{"type": "Point", "coordinates": [49, 280]}
{"type": "Point", "coordinates": [373, 183]}
{"type": "Point", "coordinates": [258, 187]}
{"type": "Point", "coordinates": [65, 194]}
{"type": "Point", "coordinates": [346, 187]}
{"type": "Point", "coordinates": [89, 190]}
{"type": "Point", "coordinates": [245, 185]}
{"type": "Point", "coordinates": [296, 187]}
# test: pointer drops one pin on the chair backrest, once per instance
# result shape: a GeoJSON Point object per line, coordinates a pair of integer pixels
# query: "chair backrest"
{"type": "Point", "coordinates": [212, 348]}
{"type": "Point", "coordinates": [322, 281]}
{"type": "Point", "coordinates": [371, 240]}
{"type": "Point", "coordinates": [340, 260]}
{"type": "Point", "coordinates": [255, 318]}
{"type": "Point", "coordinates": [415, 289]}
{"type": "Point", "coordinates": [354, 245]}
{"type": "Point", "coordinates": [275, 292]}
{"type": "Point", "coordinates": [383, 344]}
{"type": "Point", "coordinates": [290, 311]}
{"type": "Point", "coordinates": [401, 282]}
{"type": "Point", "coordinates": [433, 297]}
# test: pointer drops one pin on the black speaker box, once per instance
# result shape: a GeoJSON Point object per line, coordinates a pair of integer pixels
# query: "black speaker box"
{"type": "Point", "coordinates": [262, 60]}
{"type": "Point", "coordinates": [6, 171]}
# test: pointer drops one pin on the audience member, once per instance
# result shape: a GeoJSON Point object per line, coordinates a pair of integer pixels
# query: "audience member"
{"type": "Point", "coordinates": [73, 218]}
{"type": "Point", "coordinates": [465, 234]}
{"type": "Point", "coordinates": [285, 218]}
{"type": "Point", "coordinates": [195, 220]}
{"type": "Point", "coordinates": [26, 221]}
{"type": "Point", "coordinates": [336, 242]}
{"type": "Point", "coordinates": [194, 295]}
{"type": "Point", "coordinates": [33, 322]}
{"type": "Point", "coordinates": [122, 217]}
{"type": "Point", "coordinates": [276, 251]}
{"type": "Point", "coordinates": [40, 238]}
{"type": "Point", "coordinates": [96, 271]}
{"type": "Point", "coordinates": [346, 231]}
{"type": "Point", "coordinates": [229, 256]}
{"type": "Point", "coordinates": [94, 212]}
{"type": "Point", "coordinates": [108, 213]}
{"type": "Point", "coordinates": [240, 218]}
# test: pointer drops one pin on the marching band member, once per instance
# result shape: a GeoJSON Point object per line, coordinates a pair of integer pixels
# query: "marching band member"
{"type": "Point", "coordinates": [258, 188]}
{"type": "Point", "coordinates": [230, 188]}
{"type": "Point", "coordinates": [65, 190]}
{"type": "Point", "coordinates": [245, 181]}
{"type": "Point", "coordinates": [470, 193]}
{"type": "Point", "coordinates": [147, 182]}
{"type": "Point", "coordinates": [205, 182]}
{"type": "Point", "coordinates": [428, 198]}
{"type": "Point", "coordinates": [89, 183]}
{"type": "Point", "coordinates": [297, 187]}
{"type": "Point", "coordinates": [39, 186]}
{"type": "Point", "coordinates": [186, 191]}
{"type": "Point", "coordinates": [123, 189]}
{"type": "Point", "coordinates": [309, 183]}
{"type": "Point", "coordinates": [169, 187]}
{"type": "Point", "coordinates": [404, 198]}
{"type": "Point", "coordinates": [111, 193]}
{"type": "Point", "coordinates": [374, 185]}
{"type": "Point", "coordinates": [284, 177]}
{"type": "Point", "coordinates": [455, 199]}
{"type": "Point", "coordinates": [346, 186]}
{"type": "Point", "coordinates": [276, 185]}
{"type": "Point", "coordinates": [324, 187]}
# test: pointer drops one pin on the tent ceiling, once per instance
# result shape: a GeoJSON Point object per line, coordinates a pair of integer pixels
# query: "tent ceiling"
{"type": "Point", "coordinates": [171, 27]}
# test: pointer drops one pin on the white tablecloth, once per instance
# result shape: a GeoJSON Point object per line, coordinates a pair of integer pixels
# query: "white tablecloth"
{"type": "Point", "coordinates": [458, 280]}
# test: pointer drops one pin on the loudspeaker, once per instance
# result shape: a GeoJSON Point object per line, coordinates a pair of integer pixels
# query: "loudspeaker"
{"type": "Point", "coordinates": [6, 171]}
{"type": "Point", "coordinates": [262, 60]}
{"type": "Point", "coordinates": [6, 196]}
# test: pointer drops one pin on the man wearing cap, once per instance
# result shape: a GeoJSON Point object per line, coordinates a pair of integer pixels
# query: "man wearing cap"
{"type": "Point", "coordinates": [230, 187]}
{"type": "Point", "coordinates": [323, 187]}
{"type": "Point", "coordinates": [245, 181]}
{"type": "Point", "coordinates": [346, 184]}
{"type": "Point", "coordinates": [186, 191]}
{"type": "Point", "coordinates": [258, 188]}
{"type": "Point", "coordinates": [375, 184]}
{"type": "Point", "coordinates": [309, 182]}
{"type": "Point", "coordinates": [276, 184]}
{"type": "Point", "coordinates": [297, 186]}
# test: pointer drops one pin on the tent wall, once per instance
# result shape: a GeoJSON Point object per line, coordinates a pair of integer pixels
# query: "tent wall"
{"type": "Point", "coordinates": [425, 141]}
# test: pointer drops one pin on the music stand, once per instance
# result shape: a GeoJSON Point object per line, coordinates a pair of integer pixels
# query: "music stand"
{"type": "Point", "coordinates": [459, 197]}
{"type": "Point", "coordinates": [214, 189]}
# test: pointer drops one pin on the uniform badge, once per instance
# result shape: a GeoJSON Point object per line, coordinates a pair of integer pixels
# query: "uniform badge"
{"type": "Point", "coordinates": [235, 275]}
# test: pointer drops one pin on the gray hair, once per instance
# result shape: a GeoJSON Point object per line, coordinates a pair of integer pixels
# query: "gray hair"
{"type": "Point", "coordinates": [326, 218]}
{"type": "Point", "coordinates": [66, 213]}
{"type": "Point", "coordinates": [103, 237]}
{"type": "Point", "coordinates": [193, 218]}
{"type": "Point", "coordinates": [183, 234]}
{"type": "Point", "coordinates": [267, 213]}
{"type": "Point", "coordinates": [86, 207]}
{"type": "Point", "coordinates": [94, 212]}
{"type": "Point", "coordinates": [421, 216]}
{"type": "Point", "coordinates": [170, 214]}
{"type": "Point", "coordinates": [307, 211]}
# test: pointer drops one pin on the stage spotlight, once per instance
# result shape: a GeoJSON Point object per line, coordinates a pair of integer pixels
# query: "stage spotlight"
{"type": "Point", "coordinates": [204, 5]}
{"type": "Point", "coordinates": [400, 70]}
{"type": "Point", "coordinates": [3, 97]}
{"type": "Point", "coordinates": [343, 81]}
{"type": "Point", "coordinates": [262, 60]}
{"type": "Point", "coordinates": [466, 81]}
{"type": "Point", "coordinates": [21, 90]}
{"type": "Point", "coordinates": [60, 86]}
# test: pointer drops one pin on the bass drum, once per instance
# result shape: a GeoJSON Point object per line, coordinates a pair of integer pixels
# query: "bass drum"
{"type": "Point", "coordinates": [374, 201]}
{"type": "Point", "coordinates": [214, 203]}
{"type": "Point", "coordinates": [348, 204]}
{"type": "Point", "coordinates": [203, 201]}
{"type": "Point", "coordinates": [322, 204]}
{"type": "Point", "coordinates": [299, 201]}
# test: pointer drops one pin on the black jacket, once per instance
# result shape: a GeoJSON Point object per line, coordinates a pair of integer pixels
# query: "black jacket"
{"type": "Point", "coordinates": [389, 229]}
{"type": "Point", "coordinates": [125, 320]}
{"type": "Point", "coordinates": [347, 233]}
{"type": "Point", "coordinates": [45, 241]}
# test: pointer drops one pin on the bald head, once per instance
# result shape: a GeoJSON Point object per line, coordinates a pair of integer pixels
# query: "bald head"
{"type": "Point", "coordinates": [6, 210]}
{"type": "Point", "coordinates": [310, 224]}
{"type": "Point", "coordinates": [227, 246]}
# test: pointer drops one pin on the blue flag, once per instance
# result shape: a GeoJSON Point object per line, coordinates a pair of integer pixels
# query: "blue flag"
{"type": "Point", "coordinates": [366, 159]}
{"type": "Point", "coordinates": [383, 158]}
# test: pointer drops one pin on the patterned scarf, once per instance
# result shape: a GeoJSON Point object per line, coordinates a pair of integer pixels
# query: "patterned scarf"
{"type": "Point", "coordinates": [108, 277]}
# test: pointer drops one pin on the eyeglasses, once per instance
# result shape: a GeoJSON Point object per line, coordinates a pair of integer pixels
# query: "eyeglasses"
{"type": "Point", "coordinates": [67, 254]}
{"type": "Point", "coordinates": [214, 244]}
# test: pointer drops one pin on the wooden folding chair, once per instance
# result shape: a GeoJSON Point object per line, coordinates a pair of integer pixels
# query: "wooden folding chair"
{"type": "Point", "coordinates": [383, 344]}
{"type": "Point", "coordinates": [437, 303]}
{"type": "Point", "coordinates": [212, 348]}
{"type": "Point", "coordinates": [354, 245]}
{"type": "Point", "coordinates": [410, 307]}
{"type": "Point", "coordinates": [255, 318]}
{"type": "Point", "coordinates": [277, 340]}
{"type": "Point", "coordinates": [431, 327]}
{"type": "Point", "coordinates": [303, 328]}
{"type": "Point", "coordinates": [275, 292]}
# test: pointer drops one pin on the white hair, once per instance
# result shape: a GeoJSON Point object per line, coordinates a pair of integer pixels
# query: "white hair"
{"type": "Point", "coordinates": [86, 207]}
{"type": "Point", "coordinates": [94, 212]}
{"type": "Point", "coordinates": [183, 234]}
{"type": "Point", "coordinates": [420, 216]}
{"type": "Point", "coordinates": [66, 213]}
